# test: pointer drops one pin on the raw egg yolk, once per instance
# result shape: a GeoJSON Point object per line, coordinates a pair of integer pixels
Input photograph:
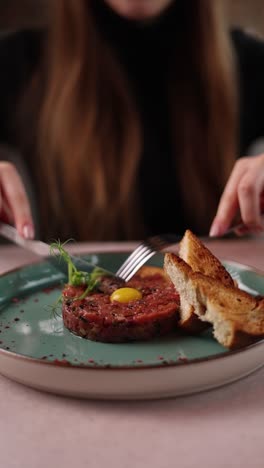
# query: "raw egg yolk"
{"type": "Point", "coordinates": [125, 295]}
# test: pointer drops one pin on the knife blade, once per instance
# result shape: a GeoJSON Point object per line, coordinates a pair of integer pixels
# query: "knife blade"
{"type": "Point", "coordinates": [43, 250]}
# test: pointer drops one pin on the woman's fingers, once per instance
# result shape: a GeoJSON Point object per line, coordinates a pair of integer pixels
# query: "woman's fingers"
{"type": "Point", "coordinates": [249, 197]}
{"type": "Point", "coordinates": [5, 212]}
{"type": "Point", "coordinates": [14, 201]}
{"type": "Point", "coordinates": [229, 204]}
{"type": "Point", "coordinates": [244, 191]}
{"type": "Point", "coordinates": [262, 202]}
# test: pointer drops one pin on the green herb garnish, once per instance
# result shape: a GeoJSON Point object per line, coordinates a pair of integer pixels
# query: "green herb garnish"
{"type": "Point", "coordinates": [75, 276]}
{"type": "Point", "coordinates": [55, 309]}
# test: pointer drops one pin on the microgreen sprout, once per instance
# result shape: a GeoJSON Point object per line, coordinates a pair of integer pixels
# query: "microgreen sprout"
{"type": "Point", "coordinates": [75, 277]}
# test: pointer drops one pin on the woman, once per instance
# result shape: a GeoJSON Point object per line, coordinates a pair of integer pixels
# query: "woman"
{"type": "Point", "coordinates": [125, 113]}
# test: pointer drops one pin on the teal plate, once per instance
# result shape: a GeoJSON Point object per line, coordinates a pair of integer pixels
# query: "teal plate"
{"type": "Point", "coordinates": [31, 336]}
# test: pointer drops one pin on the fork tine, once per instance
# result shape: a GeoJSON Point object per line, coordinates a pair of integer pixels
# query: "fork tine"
{"type": "Point", "coordinates": [144, 252]}
{"type": "Point", "coordinates": [133, 256]}
{"type": "Point", "coordinates": [138, 265]}
{"type": "Point", "coordinates": [135, 261]}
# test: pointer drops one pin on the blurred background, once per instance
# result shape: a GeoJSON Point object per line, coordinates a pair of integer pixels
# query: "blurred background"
{"type": "Point", "coordinates": [23, 14]}
{"type": "Point", "coordinates": [16, 14]}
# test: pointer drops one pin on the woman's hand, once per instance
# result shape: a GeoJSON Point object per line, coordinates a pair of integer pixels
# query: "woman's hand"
{"type": "Point", "coordinates": [244, 191]}
{"type": "Point", "coordinates": [14, 204]}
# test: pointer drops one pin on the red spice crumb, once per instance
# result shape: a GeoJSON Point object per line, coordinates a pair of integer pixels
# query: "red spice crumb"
{"type": "Point", "coordinates": [62, 362]}
{"type": "Point", "coordinates": [91, 360]}
{"type": "Point", "coordinates": [161, 358]}
{"type": "Point", "coordinates": [36, 300]}
{"type": "Point", "coordinates": [139, 360]}
{"type": "Point", "coordinates": [183, 359]}
{"type": "Point", "coordinates": [7, 326]}
{"type": "Point", "coordinates": [15, 299]}
{"type": "Point", "coordinates": [49, 290]}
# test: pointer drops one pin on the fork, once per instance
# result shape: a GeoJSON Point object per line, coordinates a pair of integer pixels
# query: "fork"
{"type": "Point", "coordinates": [144, 252]}
{"type": "Point", "coordinates": [149, 247]}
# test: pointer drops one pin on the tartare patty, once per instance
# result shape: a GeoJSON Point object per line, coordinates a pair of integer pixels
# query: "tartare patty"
{"type": "Point", "coordinates": [98, 318]}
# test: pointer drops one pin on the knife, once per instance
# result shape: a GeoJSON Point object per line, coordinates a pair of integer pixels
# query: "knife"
{"type": "Point", "coordinates": [43, 250]}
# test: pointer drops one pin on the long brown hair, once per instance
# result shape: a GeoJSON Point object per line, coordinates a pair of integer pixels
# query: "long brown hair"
{"type": "Point", "coordinates": [90, 135]}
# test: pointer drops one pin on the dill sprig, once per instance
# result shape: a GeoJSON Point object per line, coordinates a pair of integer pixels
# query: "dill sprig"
{"type": "Point", "coordinates": [55, 309]}
{"type": "Point", "coordinates": [75, 277]}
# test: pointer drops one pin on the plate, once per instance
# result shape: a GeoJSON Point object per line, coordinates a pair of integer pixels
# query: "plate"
{"type": "Point", "coordinates": [36, 350]}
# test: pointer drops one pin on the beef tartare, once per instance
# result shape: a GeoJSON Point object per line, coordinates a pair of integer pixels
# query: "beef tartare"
{"type": "Point", "coordinates": [150, 311]}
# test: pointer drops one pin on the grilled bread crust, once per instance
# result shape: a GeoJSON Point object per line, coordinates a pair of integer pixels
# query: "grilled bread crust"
{"type": "Point", "coordinates": [200, 259]}
{"type": "Point", "coordinates": [236, 316]}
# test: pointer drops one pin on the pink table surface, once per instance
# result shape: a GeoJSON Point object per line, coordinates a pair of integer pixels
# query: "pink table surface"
{"type": "Point", "coordinates": [220, 428]}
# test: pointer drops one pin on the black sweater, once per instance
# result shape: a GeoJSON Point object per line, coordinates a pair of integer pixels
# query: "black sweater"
{"type": "Point", "coordinates": [139, 48]}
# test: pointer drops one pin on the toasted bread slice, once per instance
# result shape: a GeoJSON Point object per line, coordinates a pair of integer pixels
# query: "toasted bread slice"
{"type": "Point", "coordinates": [191, 309]}
{"type": "Point", "coordinates": [200, 259]}
{"type": "Point", "coordinates": [237, 317]}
